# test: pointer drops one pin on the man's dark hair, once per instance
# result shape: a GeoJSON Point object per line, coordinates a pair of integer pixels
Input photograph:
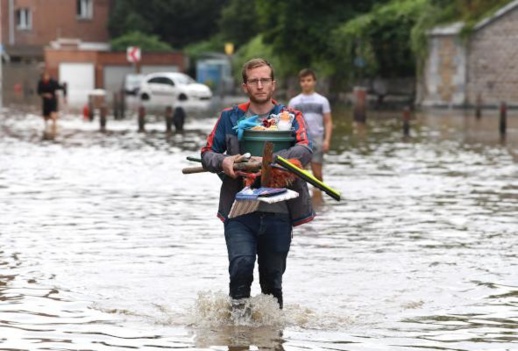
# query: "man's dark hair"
{"type": "Point", "coordinates": [307, 72]}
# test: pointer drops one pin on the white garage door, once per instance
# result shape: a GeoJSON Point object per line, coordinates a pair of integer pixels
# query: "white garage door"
{"type": "Point", "coordinates": [80, 79]}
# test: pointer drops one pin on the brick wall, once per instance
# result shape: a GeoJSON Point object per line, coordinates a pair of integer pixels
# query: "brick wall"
{"type": "Point", "coordinates": [101, 58]}
{"type": "Point", "coordinates": [52, 19]}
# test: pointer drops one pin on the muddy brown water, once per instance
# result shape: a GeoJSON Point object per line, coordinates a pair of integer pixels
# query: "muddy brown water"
{"type": "Point", "coordinates": [106, 245]}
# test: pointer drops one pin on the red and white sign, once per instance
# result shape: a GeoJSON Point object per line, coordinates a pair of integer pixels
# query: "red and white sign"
{"type": "Point", "coordinates": [133, 54]}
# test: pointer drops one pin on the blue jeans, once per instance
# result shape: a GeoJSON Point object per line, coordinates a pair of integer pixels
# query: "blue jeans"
{"type": "Point", "coordinates": [261, 234]}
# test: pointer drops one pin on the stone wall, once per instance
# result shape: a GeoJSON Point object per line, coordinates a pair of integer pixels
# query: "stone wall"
{"type": "Point", "coordinates": [493, 61]}
{"type": "Point", "coordinates": [444, 81]}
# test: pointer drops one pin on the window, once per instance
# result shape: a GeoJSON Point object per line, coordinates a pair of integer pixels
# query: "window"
{"type": "Point", "coordinates": [161, 80]}
{"type": "Point", "coordinates": [84, 9]}
{"type": "Point", "coordinates": [23, 19]}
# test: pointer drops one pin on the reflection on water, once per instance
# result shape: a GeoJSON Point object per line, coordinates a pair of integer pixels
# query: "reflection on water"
{"type": "Point", "coordinates": [106, 245]}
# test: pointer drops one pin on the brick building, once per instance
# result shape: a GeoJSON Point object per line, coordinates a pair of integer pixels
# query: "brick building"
{"type": "Point", "coordinates": [30, 25]}
{"type": "Point", "coordinates": [70, 38]}
{"type": "Point", "coordinates": [458, 70]}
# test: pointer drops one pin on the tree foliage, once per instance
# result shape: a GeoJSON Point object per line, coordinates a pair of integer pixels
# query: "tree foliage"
{"type": "Point", "coordinates": [176, 22]}
{"type": "Point", "coordinates": [341, 39]}
{"type": "Point", "coordinates": [144, 41]}
{"type": "Point", "coordinates": [238, 23]}
{"type": "Point", "coordinates": [380, 40]}
{"type": "Point", "coordinates": [298, 30]}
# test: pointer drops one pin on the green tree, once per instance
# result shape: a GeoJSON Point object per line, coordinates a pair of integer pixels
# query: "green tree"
{"type": "Point", "coordinates": [238, 23]}
{"type": "Point", "coordinates": [299, 30]}
{"type": "Point", "coordinates": [145, 42]}
{"type": "Point", "coordinates": [380, 39]}
{"type": "Point", "coordinates": [177, 22]}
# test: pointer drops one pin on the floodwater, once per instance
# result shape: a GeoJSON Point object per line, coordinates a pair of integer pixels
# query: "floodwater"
{"type": "Point", "coordinates": [106, 245]}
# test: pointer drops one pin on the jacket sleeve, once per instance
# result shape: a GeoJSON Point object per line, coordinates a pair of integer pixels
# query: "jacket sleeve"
{"type": "Point", "coordinates": [212, 154]}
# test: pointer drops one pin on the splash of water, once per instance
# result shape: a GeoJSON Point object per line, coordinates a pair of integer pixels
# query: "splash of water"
{"type": "Point", "coordinates": [215, 309]}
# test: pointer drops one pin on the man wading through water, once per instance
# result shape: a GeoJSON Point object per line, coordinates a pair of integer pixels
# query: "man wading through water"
{"type": "Point", "coordinates": [266, 233]}
{"type": "Point", "coordinates": [47, 90]}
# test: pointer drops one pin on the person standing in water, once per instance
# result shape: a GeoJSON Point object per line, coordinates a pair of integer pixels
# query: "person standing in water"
{"type": "Point", "coordinates": [264, 235]}
{"type": "Point", "coordinates": [47, 90]}
{"type": "Point", "coordinates": [317, 113]}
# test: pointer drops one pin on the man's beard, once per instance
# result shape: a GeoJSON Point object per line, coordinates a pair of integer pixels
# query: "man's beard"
{"type": "Point", "coordinates": [260, 100]}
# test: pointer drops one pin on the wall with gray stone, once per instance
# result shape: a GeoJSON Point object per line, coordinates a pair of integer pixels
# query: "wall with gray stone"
{"type": "Point", "coordinates": [493, 61]}
{"type": "Point", "coordinates": [444, 81]}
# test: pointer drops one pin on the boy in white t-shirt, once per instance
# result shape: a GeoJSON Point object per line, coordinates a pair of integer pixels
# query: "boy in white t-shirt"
{"type": "Point", "coordinates": [317, 112]}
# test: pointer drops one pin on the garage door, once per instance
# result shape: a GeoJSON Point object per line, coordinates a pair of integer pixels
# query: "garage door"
{"type": "Point", "coordinates": [80, 78]}
{"type": "Point", "coordinates": [114, 77]}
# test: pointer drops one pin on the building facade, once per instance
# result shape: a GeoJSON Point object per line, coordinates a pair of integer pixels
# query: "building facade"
{"type": "Point", "coordinates": [30, 25]}
{"type": "Point", "coordinates": [462, 72]}
{"type": "Point", "coordinates": [70, 39]}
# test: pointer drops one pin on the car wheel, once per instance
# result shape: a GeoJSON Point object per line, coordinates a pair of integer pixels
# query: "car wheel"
{"type": "Point", "coordinates": [182, 97]}
{"type": "Point", "coordinates": [144, 96]}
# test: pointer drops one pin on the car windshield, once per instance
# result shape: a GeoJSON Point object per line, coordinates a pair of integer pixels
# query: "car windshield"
{"type": "Point", "coordinates": [184, 79]}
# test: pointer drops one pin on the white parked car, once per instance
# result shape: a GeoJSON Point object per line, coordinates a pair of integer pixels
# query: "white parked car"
{"type": "Point", "coordinates": [162, 89]}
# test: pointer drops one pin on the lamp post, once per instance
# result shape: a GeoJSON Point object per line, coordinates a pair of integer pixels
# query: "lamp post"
{"type": "Point", "coordinates": [229, 51]}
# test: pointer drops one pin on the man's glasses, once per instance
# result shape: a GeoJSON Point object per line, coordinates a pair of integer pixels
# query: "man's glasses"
{"type": "Point", "coordinates": [263, 81]}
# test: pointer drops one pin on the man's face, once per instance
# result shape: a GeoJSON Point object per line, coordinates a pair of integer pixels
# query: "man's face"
{"type": "Point", "coordinates": [259, 85]}
{"type": "Point", "coordinates": [307, 84]}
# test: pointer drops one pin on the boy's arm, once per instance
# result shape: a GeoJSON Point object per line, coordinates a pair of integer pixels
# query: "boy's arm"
{"type": "Point", "coordinates": [328, 131]}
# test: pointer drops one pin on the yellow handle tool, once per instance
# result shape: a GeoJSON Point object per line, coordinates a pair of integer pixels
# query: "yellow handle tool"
{"type": "Point", "coordinates": [308, 177]}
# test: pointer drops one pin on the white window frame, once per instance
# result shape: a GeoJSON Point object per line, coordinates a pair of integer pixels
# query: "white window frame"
{"type": "Point", "coordinates": [85, 9]}
{"type": "Point", "coordinates": [23, 18]}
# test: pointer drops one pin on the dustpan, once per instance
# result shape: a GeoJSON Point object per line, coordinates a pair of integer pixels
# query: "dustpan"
{"type": "Point", "coordinates": [248, 200]}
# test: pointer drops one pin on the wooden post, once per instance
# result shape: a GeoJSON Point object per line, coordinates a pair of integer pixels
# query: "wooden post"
{"type": "Point", "coordinates": [91, 107]}
{"type": "Point", "coordinates": [141, 118]}
{"type": "Point", "coordinates": [168, 118]}
{"type": "Point", "coordinates": [179, 118]}
{"type": "Point", "coordinates": [122, 104]}
{"type": "Point", "coordinates": [115, 105]}
{"type": "Point", "coordinates": [360, 104]}
{"type": "Point", "coordinates": [103, 111]}
{"type": "Point", "coordinates": [478, 106]}
{"type": "Point", "coordinates": [503, 118]}
{"type": "Point", "coordinates": [266, 165]}
{"type": "Point", "coordinates": [406, 121]}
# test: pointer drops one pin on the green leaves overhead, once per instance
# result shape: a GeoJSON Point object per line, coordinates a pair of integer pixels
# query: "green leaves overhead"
{"type": "Point", "coordinates": [177, 22]}
{"type": "Point", "coordinates": [344, 39]}
{"type": "Point", "coordinates": [380, 38]}
{"type": "Point", "coordinates": [144, 41]}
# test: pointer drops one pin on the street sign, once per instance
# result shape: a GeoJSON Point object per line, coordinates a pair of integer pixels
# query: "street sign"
{"type": "Point", "coordinates": [133, 54]}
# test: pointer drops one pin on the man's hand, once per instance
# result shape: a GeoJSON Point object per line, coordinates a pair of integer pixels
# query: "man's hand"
{"type": "Point", "coordinates": [228, 165]}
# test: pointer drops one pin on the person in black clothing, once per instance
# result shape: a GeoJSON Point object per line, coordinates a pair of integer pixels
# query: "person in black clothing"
{"type": "Point", "coordinates": [47, 88]}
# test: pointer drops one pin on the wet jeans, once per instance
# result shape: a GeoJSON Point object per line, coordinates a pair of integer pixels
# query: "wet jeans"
{"type": "Point", "coordinates": [261, 234]}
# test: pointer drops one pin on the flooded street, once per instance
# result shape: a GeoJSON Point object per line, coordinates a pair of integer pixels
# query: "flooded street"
{"type": "Point", "coordinates": [106, 245]}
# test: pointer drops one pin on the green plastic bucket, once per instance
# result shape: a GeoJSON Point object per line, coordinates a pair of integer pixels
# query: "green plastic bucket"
{"type": "Point", "coordinates": [253, 140]}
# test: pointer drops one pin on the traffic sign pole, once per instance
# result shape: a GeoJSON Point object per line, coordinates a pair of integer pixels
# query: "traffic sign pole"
{"type": "Point", "coordinates": [133, 55]}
